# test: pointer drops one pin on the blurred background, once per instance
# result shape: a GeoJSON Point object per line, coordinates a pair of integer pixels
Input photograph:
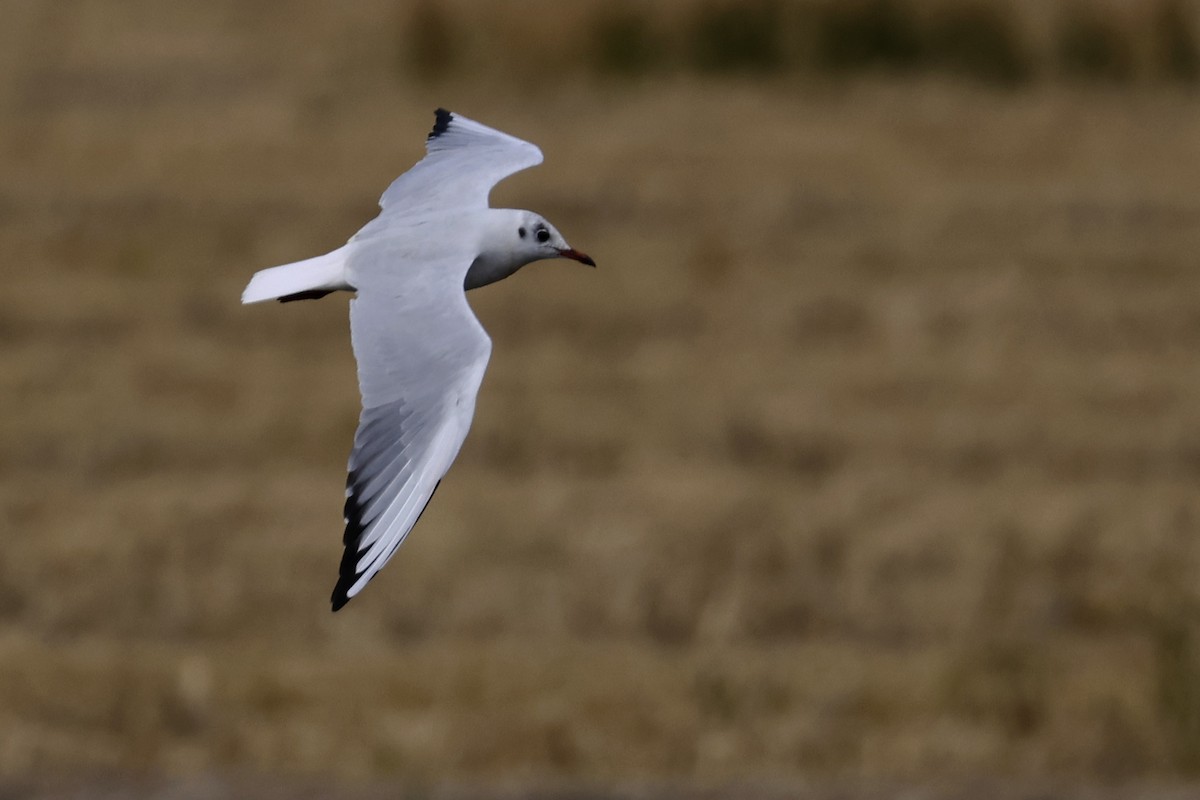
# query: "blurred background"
{"type": "Point", "coordinates": [865, 465]}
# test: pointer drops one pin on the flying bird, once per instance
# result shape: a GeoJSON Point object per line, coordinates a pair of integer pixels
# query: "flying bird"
{"type": "Point", "coordinates": [420, 350]}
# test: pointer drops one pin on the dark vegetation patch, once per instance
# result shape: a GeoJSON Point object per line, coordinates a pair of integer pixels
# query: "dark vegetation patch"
{"type": "Point", "coordinates": [875, 35]}
{"type": "Point", "coordinates": [986, 41]}
{"type": "Point", "coordinates": [1092, 47]}
{"type": "Point", "coordinates": [738, 37]}
{"type": "Point", "coordinates": [627, 43]}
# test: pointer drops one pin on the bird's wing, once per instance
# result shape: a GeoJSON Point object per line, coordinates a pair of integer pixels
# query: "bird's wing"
{"type": "Point", "coordinates": [421, 356]}
{"type": "Point", "coordinates": [463, 161]}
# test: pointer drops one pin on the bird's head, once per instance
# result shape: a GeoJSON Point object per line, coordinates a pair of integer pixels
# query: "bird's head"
{"type": "Point", "coordinates": [535, 239]}
{"type": "Point", "coordinates": [514, 239]}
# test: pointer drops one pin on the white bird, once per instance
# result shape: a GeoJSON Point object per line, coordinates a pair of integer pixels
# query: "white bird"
{"type": "Point", "coordinates": [421, 352]}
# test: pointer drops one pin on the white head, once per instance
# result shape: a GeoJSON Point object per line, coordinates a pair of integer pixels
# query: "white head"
{"type": "Point", "coordinates": [514, 239]}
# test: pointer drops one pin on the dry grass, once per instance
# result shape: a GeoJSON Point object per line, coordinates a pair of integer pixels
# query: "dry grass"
{"type": "Point", "coordinates": [868, 454]}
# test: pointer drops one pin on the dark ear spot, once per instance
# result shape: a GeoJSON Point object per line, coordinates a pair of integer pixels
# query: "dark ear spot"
{"type": "Point", "coordinates": [521, 232]}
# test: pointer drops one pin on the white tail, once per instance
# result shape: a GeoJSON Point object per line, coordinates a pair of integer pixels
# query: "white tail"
{"type": "Point", "coordinates": [325, 273]}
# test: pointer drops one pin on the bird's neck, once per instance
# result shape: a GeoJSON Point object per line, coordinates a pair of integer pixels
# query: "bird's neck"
{"type": "Point", "coordinates": [489, 267]}
{"type": "Point", "coordinates": [496, 260]}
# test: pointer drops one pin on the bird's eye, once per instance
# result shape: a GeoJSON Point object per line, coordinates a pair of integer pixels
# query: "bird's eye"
{"type": "Point", "coordinates": [521, 232]}
{"type": "Point", "coordinates": [543, 235]}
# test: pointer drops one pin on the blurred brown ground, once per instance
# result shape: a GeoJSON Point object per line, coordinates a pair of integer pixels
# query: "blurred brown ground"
{"type": "Point", "coordinates": [867, 458]}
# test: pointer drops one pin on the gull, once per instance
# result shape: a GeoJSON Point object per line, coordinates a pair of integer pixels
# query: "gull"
{"type": "Point", "coordinates": [420, 350]}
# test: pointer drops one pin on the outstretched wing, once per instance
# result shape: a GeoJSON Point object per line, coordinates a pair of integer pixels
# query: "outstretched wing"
{"type": "Point", "coordinates": [463, 161]}
{"type": "Point", "coordinates": [421, 356]}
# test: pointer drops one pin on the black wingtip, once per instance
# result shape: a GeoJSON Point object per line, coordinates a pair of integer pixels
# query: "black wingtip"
{"type": "Point", "coordinates": [348, 573]}
{"type": "Point", "coordinates": [339, 598]}
{"type": "Point", "coordinates": [348, 569]}
{"type": "Point", "coordinates": [441, 122]}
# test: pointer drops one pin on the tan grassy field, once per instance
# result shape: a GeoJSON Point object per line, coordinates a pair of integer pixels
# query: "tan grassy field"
{"type": "Point", "coordinates": [868, 456]}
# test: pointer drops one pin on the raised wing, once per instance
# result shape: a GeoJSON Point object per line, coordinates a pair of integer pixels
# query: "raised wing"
{"type": "Point", "coordinates": [421, 356]}
{"type": "Point", "coordinates": [463, 161]}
